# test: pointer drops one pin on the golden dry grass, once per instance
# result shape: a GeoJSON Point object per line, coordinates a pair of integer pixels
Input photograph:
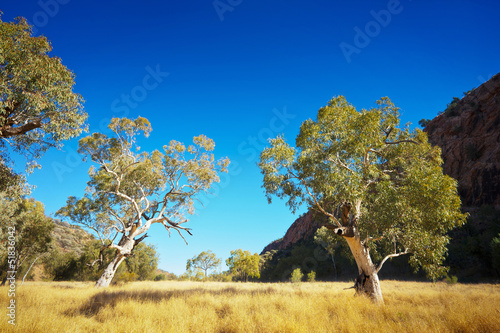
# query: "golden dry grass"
{"type": "Point", "coordinates": [237, 307]}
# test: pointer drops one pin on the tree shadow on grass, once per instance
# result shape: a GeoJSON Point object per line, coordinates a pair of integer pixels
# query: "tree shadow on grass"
{"type": "Point", "coordinates": [111, 298]}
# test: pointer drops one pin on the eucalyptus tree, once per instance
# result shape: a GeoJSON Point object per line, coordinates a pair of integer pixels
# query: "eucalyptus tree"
{"type": "Point", "coordinates": [131, 190]}
{"type": "Point", "coordinates": [243, 264]}
{"type": "Point", "coordinates": [25, 232]}
{"type": "Point", "coordinates": [205, 261]}
{"type": "Point", "coordinates": [38, 108]}
{"type": "Point", "coordinates": [380, 184]}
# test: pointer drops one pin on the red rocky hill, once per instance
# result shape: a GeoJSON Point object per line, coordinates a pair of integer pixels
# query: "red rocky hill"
{"type": "Point", "coordinates": [468, 133]}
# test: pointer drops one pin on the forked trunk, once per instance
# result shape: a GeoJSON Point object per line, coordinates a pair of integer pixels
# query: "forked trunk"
{"type": "Point", "coordinates": [109, 272]}
{"type": "Point", "coordinates": [367, 282]}
{"type": "Point", "coordinates": [127, 244]}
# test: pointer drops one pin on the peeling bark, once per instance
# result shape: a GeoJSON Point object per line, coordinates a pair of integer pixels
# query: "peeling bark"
{"type": "Point", "coordinates": [127, 246]}
{"type": "Point", "coordinates": [367, 282]}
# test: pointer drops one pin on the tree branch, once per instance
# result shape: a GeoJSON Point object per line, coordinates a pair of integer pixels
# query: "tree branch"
{"type": "Point", "coordinates": [314, 198]}
{"type": "Point", "coordinates": [390, 256]}
{"type": "Point", "coordinates": [6, 132]}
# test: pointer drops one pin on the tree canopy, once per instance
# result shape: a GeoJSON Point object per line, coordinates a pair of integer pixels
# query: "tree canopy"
{"type": "Point", "coordinates": [131, 190]}
{"type": "Point", "coordinates": [25, 229]}
{"type": "Point", "coordinates": [206, 260]}
{"type": "Point", "coordinates": [38, 108]}
{"type": "Point", "coordinates": [379, 183]}
{"type": "Point", "coordinates": [243, 264]}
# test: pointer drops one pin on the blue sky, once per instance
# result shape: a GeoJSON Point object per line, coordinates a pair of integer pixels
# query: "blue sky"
{"type": "Point", "coordinates": [240, 71]}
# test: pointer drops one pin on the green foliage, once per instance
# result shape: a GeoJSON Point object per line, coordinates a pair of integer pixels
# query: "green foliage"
{"type": "Point", "coordinates": [243, 264]}
{"type": "Point", "coordinates": [25, 220]}
{"type": "Point", "coordinates": [495, 254]}
{"type": "Point", "coordinates": [451, 108]}
{"type": "Point", "coordinates": [390, 175]}
{"type": "Point", "coordinates": [296, 276]}
{"type": "Point", "coordinates": [161, 277]}
{"type": "Point", "coordinates": [424, 122]}
{"type": "Point", "coordinates": [60, 265]}
{"type": "Point", "coordinates": [451, 279]}
{"type": "Point", "coordinates": [38, 108]}
{"type": "Point", "coordinates": [143, 262]}
{"type": "Point", "coordinates": [470, 252]}
{"type": "Point", "coordinates": [205, 261]}
{"type": "Point", "coordinates": [311, 276]}
{"type": "Point", "coordinates": [131, 190]}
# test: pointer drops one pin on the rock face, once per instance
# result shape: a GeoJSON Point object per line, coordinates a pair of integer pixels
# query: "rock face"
{"type": "Point", "coordinates": [303, 227]}
{"type": "Point", "coordinates": [468, 133]}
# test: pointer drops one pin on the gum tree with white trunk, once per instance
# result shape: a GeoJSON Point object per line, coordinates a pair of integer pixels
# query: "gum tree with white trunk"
{"type": "Point", "coordinates": [380, 184]}
{"type": "Point", "coordinates": [129, 191]}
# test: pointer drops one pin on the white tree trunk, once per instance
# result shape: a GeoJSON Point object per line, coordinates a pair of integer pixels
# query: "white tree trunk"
{"type": "Point", "coordinates": [367, 282]}
{"type": "Point", "coordinates": [127, 245]}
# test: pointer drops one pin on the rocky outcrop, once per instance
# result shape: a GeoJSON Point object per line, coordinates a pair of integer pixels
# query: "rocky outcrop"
{"type": "Point", "coordinates": [303, 227]}
{"type": "Point", "coordinates": [468, 133]}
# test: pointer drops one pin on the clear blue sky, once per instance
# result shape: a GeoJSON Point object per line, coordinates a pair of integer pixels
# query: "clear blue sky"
{"type": "Point", "coordinates": [240, 71]}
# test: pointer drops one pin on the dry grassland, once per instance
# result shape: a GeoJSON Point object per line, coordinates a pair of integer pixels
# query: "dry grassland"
{"type": "Point", "coordinates": [252, 307]}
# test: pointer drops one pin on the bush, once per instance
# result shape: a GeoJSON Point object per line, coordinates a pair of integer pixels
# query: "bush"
{"type": "Point", "coordinates": [311, 277]}
{"type": "Point", "coordinates": [296, 276]}
{"type": "Point", "coordinates": [424, 122]}
{"type": "Point", "coordinates": [495, 254]}
{"type": "Point", "coordinates": [451, 107]}
{"type": "Point", "coordinates": [160, 277]}
{"type": "Point", "coordinates": [451, 279]}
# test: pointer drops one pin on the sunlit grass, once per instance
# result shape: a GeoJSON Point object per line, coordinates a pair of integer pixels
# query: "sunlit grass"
{"type": "Point", "coordinates": [252, 307]}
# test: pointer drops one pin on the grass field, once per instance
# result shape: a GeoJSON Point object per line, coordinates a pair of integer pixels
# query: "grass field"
{"type": "Point", "coordinates": [252, 307]}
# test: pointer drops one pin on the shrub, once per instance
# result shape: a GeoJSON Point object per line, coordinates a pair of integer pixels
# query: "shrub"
{"type": "Point", "coordinates": [424, 122]}
{"type": "Point", "coordinates": [296, 276]}
{"type": "Point", "coordinates": [451, 279]}
{"type": "Point", "coordinates": [451, 107]}
{"type": "Point", "coordinates": [495, 253]}
{"type": "Point", "coordinates": [311, 277]}
{"type": "Point", "coordinates": [160, 277]}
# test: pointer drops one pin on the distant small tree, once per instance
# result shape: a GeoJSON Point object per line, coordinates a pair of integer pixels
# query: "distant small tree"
{"type": "Point", "coordinates": [424, 122]}
{"type": "Point", "coordinates": [296, 276]}
{"type": "Point", "coordinates": [243, 264]}
{"type": "Point", "coordinates": [205, 261]}
{"type": "Point", "coordinates": [311, 276]}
